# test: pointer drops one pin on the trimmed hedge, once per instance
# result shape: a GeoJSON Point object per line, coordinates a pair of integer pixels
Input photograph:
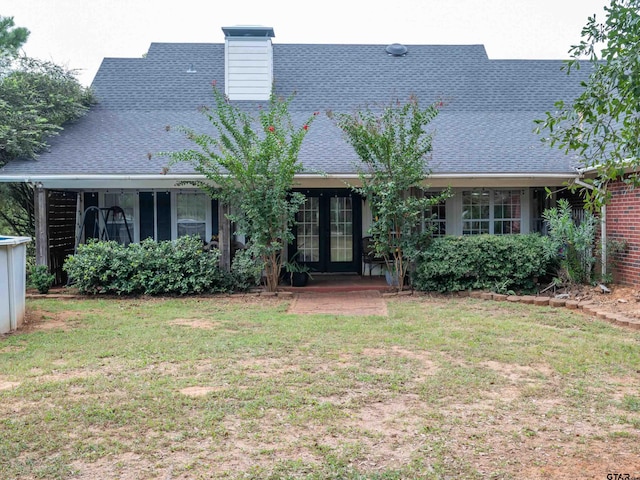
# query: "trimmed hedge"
{"type": "Point", "coordinates": [152, 268]}
{"type": "Point", "coordinates": [500, 263]}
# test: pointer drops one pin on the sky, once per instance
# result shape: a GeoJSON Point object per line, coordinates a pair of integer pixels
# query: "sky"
{"type": "Point", "coordinates": [78, 34]}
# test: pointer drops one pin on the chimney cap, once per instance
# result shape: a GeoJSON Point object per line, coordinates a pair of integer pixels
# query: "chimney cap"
{"type": "Point", "coordinates": [248, 31]}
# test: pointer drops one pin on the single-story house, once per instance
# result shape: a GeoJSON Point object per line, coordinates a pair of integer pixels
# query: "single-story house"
{"type": "Point", "coordinates": [485, 147]}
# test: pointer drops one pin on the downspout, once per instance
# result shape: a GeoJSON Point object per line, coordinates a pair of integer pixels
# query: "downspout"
{"type": "Point", "coordinates": [603, 228]}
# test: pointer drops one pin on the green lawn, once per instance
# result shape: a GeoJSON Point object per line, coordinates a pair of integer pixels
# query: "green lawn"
{"type": "Point", "coordinates": [237, 388]}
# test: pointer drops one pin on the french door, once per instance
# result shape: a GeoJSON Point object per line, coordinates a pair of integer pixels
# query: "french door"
{"type": "Point", "coordinates": [328, 232]}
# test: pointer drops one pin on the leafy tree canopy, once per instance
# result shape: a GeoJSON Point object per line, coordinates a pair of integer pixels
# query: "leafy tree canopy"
{"type": "Point", "coordinates": [394, 148]}
{"type": "Point", "coordinates": [250, 164]}
{"type": "Point", "coordinates": [602, 125]}
{"type": "Point", "coordinates": [36, 99]}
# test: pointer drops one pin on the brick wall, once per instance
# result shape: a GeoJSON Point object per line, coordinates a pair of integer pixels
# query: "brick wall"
{"type": "Point", "coordinates": [623, 223]}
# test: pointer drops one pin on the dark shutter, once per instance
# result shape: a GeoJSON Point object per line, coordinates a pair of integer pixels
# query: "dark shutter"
{"type": "Point", "coordinates": [146, 215]}
{"type": "Point", "coordinates": [214, 218]}
{"type": "Point", "coordinates": [163, 204]}
{"type": "Point", "coordinates": [91, 225]}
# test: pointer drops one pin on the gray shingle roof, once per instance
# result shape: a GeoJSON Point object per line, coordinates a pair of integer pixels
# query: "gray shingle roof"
{"type": "Point", "coordinates": [486, 125]}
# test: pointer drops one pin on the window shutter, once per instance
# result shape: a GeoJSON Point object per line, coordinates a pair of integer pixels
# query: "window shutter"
{"type": "Point", "coordinates": [146, 216]}
{"type": "Point", "coordinates": [163, 206]}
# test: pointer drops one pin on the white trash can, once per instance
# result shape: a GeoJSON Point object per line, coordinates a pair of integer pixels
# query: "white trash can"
{"type": "Point", "coordinates": [13, 281]}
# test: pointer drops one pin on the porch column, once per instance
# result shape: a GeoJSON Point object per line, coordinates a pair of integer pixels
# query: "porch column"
{"type": "Point", "coordinates": [41, 225]}
{"type": "Point", "coordinates": [224, 237]}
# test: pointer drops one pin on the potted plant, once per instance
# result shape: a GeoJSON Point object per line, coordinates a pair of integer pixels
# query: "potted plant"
{"type": "Point", "coordinates": [296, 273]}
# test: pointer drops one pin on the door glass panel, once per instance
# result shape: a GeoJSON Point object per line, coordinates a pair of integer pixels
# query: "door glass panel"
{"type": "Point", "coordinates": [309, 231]}
{"type": "Point", "coordinates": [341, 227]}
{"type": "Point", "coordinates": [192, 214]}
{"type": "Point", "coordinates": [120, 227]}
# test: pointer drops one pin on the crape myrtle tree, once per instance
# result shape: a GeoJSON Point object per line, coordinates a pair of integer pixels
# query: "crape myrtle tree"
{"type": "Point", "coordinates": [250, 162]}
{"type": "Point", "coordinates": [602, 125]}
{"type": "Point", "coordinates": [394, 149]}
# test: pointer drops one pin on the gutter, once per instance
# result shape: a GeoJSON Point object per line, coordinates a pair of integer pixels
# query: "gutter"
{"type": "Point", "coordinates": [603, 227]}
{"type": "Point", "coordinates": [153, 181]}
{"type": "Point", "coordinates": [627, 164]}
{"type": "Point", "coordinates": [183, 177]}
{"type": "Point", "coordinates": [305, 180]}
{"type": "Point", "coordinates": [44, 178]}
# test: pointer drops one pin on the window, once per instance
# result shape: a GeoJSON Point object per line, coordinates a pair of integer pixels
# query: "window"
{"type": "Point", "coordinates": [506, 211]}
{"type": "Point", "coordinates": [475, 212]}
{"type": "Point", "coordinates": [120, 219]}
{"type": "Point", "coordinates": [436, 216]}
{"type": "Point", "coordinates": [491, 211]}
{"type": "Point", "coordinates": [191, 214]}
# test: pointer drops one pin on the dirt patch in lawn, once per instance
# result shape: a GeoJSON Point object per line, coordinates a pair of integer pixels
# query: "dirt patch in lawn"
{"type": "Point", "coordinates": [198, 391]}
{"type": "Point", "coordinates": [37, 320]}
{"type": "Point", "coordinates": [7, 385]}
{"type": "Point", "coordinates": [201, 323]}
{"type": "Point", "coordinates": [11, 348]}
{"type": "Point", "coordinates": [127, 466]}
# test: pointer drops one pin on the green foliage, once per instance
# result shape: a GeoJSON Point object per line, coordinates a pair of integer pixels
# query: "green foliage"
{"type": "Point", "coordinates": [246, 270]}
{"type": "Point", "coordinates": [294, 272]}
{"type": "Point", "coordinates": [151, 268]}
{"type": "Point", "coordinates": [40, 278]}
{"type": "Point", "coordinates": [602, 125]}
{"type": "Point", "coordinates": [496, 262]}
{"type": "Point", "coordinates": [394, 149]}
{"type": "Point", "coordinates": [250, 164]}
{"type": "Point", "coordinates": [292, 266]}
{"type": "Point", "coordinates": [573, 244]}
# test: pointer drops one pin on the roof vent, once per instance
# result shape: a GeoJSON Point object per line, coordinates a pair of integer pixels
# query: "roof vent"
{"type": "Point", "coordinates": [396, 50]}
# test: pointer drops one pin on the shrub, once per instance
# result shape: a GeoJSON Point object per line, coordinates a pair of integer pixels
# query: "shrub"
{"type": "Point", "coordinates": [40, 278]}
{"type": "Point", "coordinates": [573, 243]}
{"type": "Point", "coordinates": [175, 268]}
{"type": "Point", "coordinates": [246, 270]}
{"type": "Point", "coordinates": [497, 262]}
